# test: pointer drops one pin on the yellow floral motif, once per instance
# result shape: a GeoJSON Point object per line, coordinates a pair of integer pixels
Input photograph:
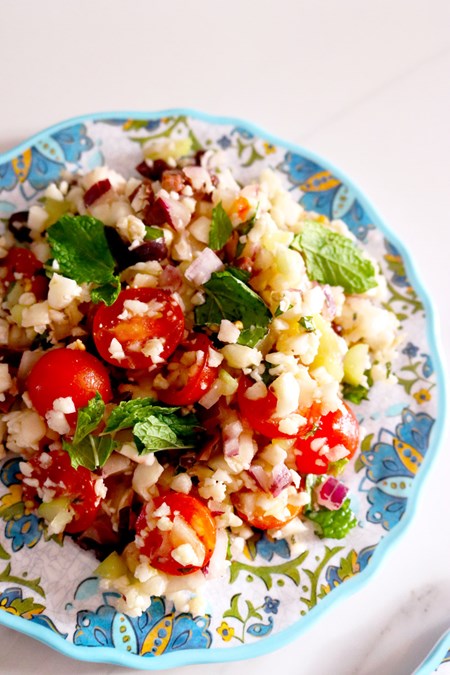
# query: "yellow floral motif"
{"type": "Point", "coordinates": [269, 148]}
{"type": "Point", "coordinates": [225, 631]}
{"type": "Point", "coordinates": [14, 496]}
{"type": "Point", "coordinates": [422, 396]}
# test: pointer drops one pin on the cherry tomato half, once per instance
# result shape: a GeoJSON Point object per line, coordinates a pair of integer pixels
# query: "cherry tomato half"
{"type": "Point", "coordinates": [54, 472]}
{"type": "Point", "coordinates": [67, 372]}
{"type": "Point", "coordinates": [164, 321]}
{"type": "Point", "coordinates": [252, 508]}
{"type": "Point", "coordinates": [192, 523]}
{"type": "Point", "coordinates": [188, 372]}
{"type": "Point", "coordinates": [337, 428]}
{"type": "Point", "coordinates": [21, 261]}
{"type": "Point", "coordinates": [260, 413]}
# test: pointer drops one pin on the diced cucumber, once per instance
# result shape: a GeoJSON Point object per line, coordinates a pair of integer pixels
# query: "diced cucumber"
{"type": "Point", "coordinates": [329, 354]}
{"type": "Point", "coordinates": [356, 363]}
{"type": "Point", "coordinates": [112, 567]}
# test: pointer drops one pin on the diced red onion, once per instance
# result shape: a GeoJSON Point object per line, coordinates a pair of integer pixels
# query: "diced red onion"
{"type": "Point", "coordinates": [17, 224]}
{"type": "Point", "coordinates": [96, 191]}
{"type": "Point", "coordinates": [330, 305]}
{"type": "Point", "coordinates": [171, 278]}
{"type": "Point", "coordinates": [168, 210]}
{"type": "Point", "coordinates": [331, 493]}
{"type": "Point", "coordinates": [281, 479]}
{"type": "Point", "coordinates": [116, 463]}
{"type": "Point", "coordinates": [173, 180]}
{"type": "Point", "coordinates": [200, 270]}
{"type": "Point", "coordinates": [231, 431]}
{"type": "Point", "coordinates": [261, 477]}
{"type": "Point", "coordinates": [199, 178]}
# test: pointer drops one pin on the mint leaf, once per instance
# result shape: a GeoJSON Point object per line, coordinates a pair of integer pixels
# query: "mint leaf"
{"type": "Point", "coordinates": [78, 244]}
{"type": "Point", "coordinates": [333, 524]}
{"type": "Point", "coordinates": [354, 393]}
{"type": "Point", "coordinates": [242, 275]}
{"type": "Point", "coordinates": [334, 259]}
{"type": "Point", "coordinates": [92, 452]}
{"type": "Point", "coordinates": [307, 322]}
{"type": "Point", "coordinates": [155, 426]}
{"type": "Point", "coordinates": [227, 297]}
{"type": "Point", "coordinates": [89, 418]}
{"type": "Point", "coordinates": [221, 228]}
{"type": "Point", "coordinates": [129, 413]}
{"type": "Point", "coordinates": [163, 432]}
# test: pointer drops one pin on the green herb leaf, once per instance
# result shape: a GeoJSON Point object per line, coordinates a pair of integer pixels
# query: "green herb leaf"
{"type": "Point", "coordinates": [164, 432]}
{"type": "Point", "coordinates": [92, 452]}
{"type": "Point", "coordinates": [333, 524]}
{"type": "Point", "coordinates": [244, 229]}
{"type": "Point", "coordinates": [79, 245]}
{"type": "Point", "coordinates": [152, 233]}
{"type": "Point", "coordinates": [89, 418]}
{"type": "Point", "coordinates": [307, 322]}
{"type": "Point", "coordinates": [242, 275]}
{"type": "Point", "coordinates": [230, 298]}
{"type": "Point", "coordinates": [221, 228]}
{"type": "Point", "coordinates": [334, 259]}
{"type": "Point", "coordinates": [354, 393]}
{"type": "Point", "coordinates": [129, 413]}
{"type": "Point", "coordinates": [155, 426]}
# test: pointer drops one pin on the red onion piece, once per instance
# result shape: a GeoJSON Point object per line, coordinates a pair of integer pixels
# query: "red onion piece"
{"type": "Point", "coordinates": [261, 477]}
{"type": "Point", "coordinates": [231, 430]}
{"type": "Point", "coordinates": [171, 278]}
{"type": "Point", "coordinates": [173, 180]}
{"type": "Point", "coordinates": [281, 479]}
{"type": "Point", "coordinates": [167, 210]}
{"type": "Point", "coordinates": [96, 191]}
{"type": "Point", "coordinates": [330, 305]}
{"type": "Point", "coordinates": [199, 178]}
{"type": "Point", "coordinates": [331, 494]}
{"type": "Point", "coordinates": [200, 270]}
{"type": "Point", "coordinates": [18, 225]}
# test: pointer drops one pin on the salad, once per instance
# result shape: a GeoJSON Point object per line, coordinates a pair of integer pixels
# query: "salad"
{"type": "Point", "coordinates": [180, 359]}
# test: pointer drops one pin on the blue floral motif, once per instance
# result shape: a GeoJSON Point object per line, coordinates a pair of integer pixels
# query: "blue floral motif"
{"type": "Point", "coordinates": [270, 605]}
{"type": "Point", "coordinates": [267, 548]}
{"type": "Point", "coordinates": [260, 629]}
{"type": "Point", "coordinates": [43, 163]}
{"type": "Point", "coordinates": [243, 132]}
{"type": "Point", "coordinates": [326, 194]}
{"type": "Point", "coordinates": [224, 142]}
{"type": "Point", "coordinates": [410, 350]}
{"type": "Point", "coordinates": [392, 463]}
{"type": "Point", "coordinates": [133, 125]}
{"type": "Point", "coordinates": [337, 575]}
{"type": "Point", "coordinates": [22, 528]}
{"type": "Point", "coordinates": [151, 634]}
{"type": "Point", "coordinates": [26, 531]}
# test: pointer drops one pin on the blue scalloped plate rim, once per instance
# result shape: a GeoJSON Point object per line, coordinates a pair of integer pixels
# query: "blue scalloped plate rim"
{"type": "Point", "coordinates": [273, 642]}
{"type": "Point", "coordinates": [434, 659]}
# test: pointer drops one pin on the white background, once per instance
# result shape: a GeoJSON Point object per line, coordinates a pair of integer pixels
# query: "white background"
{"type": "Point", "coordinates": [365, 84]}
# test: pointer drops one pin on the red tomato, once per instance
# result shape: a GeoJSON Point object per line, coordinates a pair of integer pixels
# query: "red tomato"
{"type": "Point", "coordinates": [250, 506]}
{"type": "Point", "coordinates": [189, 515]}
{"type": "Point", "coordinates": [337, 428]}
{"type": "Point", "coordinates": [21, 261]}
{"type": "Point", "coordinates": [165, 321]}
{"type": "Point", "coordinates": [67, 372]}
{"type": "Point", "coordinates": [54, 472]}
{"type": "Point", "coordinates": [260, 413]}
{"type": "Point", "coordinates": [188, 372]}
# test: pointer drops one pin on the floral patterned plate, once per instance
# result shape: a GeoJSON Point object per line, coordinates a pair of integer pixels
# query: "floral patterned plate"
{"type": "Point", "coordinates": [270, 596]}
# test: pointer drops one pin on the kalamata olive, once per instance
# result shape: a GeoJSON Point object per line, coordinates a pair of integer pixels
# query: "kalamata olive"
{"type": "Point", "coordinates": [149, 250]}
{"type": "Point", "coordinates": [18, 226]}
{"type": "Point", "coordinates": [153, 172]}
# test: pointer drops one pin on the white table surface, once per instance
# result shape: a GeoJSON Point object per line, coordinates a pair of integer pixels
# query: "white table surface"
{"type": "Point", "coordinates": [367, 85]}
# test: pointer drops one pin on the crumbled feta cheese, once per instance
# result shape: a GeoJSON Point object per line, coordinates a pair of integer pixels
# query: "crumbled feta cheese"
{"type": "Point", "coordinates": [145, 477]}
{"type": "Point", "coordinates": [132, 228]}
{"type": "Point", "coordinates": [181, 483]}
{"type": "Point", "coordinates": [25, 429]}
{"type": "Point", "coordinates": [62, 291]}
{"type": "Point", "coordinates": [37, 316]}
{"type": "Point", "coordinates": [185, 555]}
{"type": "Point", "coordinates": [228, 332]}
{"type": "Point", "coordinates": [37, 218]}
{"type": "Point", "coordinates": [116, 350]}
{"type": "Point", "coordinates": [153, 348]}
